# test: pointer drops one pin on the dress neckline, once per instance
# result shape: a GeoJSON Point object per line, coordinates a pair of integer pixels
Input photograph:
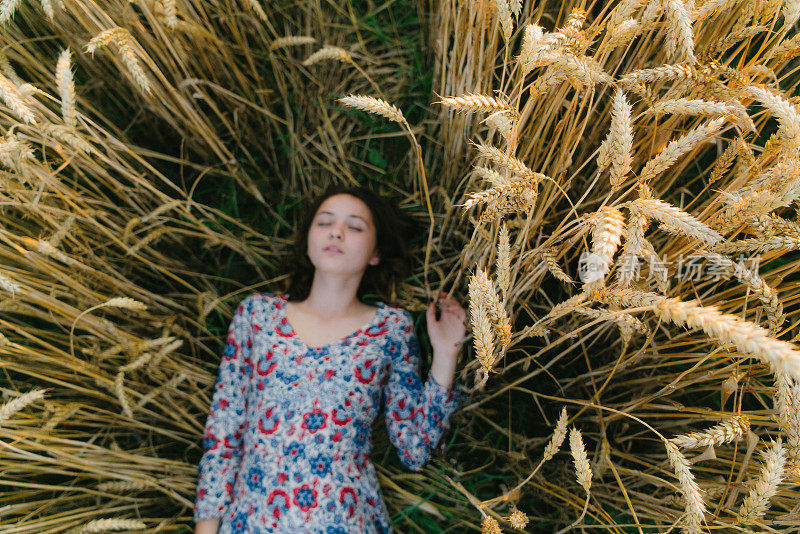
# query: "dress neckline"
{"type": "Point", "coordinates": [285, 316]}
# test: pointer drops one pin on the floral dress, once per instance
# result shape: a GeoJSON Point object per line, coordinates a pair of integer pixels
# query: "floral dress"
{"type": "Point", "coordinates": [288, 438]}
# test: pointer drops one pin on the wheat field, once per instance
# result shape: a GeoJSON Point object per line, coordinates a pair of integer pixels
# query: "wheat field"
{"type": "Point", "coordinates": [623, 376]}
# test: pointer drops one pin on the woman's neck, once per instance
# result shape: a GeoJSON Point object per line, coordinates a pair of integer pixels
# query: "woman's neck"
{"type": "Point", "coordinates": [332, 295]}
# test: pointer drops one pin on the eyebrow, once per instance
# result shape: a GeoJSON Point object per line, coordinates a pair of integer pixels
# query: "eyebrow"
{"type": "Point", "coordinates": [351, 215]}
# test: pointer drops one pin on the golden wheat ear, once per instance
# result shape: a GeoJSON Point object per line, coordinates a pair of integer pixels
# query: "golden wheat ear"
{"type": "Point", "coordinates": [328, 52]}
{"type": "Point", "coordinates": [291, 40]}
{"type": "Point", "coordinates": [765, 486]}
{"type": "Point", "coordinates": [375, 106]}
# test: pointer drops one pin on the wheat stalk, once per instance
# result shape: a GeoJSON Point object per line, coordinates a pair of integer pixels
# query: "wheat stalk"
{"type": "Point", "coordinates": [692, 107]}
{"type": "Point", "coordinates": [291, 40]}
{"type": "Point", "coordinates": [735, 37]}
{"type": "Point", "coordinates": [137, 363]}
{"type": "Point", "coordinates": [102, 525]}
{"type": "Point", "coordinates": [549, 79]}
{"type": "Point", "coordinates": [62, 415]}
{"type": "Point", "coordinates": [66, 88]}
{"type": "Point", "coordinates": [9, 285]}
{"type": "Point", "coordinates": [493, 177]}
{"type": "Point", "coordinates": [785, 112]}
{"type": "Point", "coordinates": [741, 208]}
{"type": "Point", "coordinates": [168, 385]}
{"type": "Point", "coordinates": [531, 43]}
{"type": "Point", "coordinates": [123, 302]}
{"type": "Point", "coordinates": [256, 6]}
{"type": "Point", "coordinates": [62, 132]}
{"type": "Point", "coordinates": [378, 106]}
{"type": "Point", "coordinates": [171, 14]}
{"type": "Point", "coordinates": [724, 162]}
{"type": "Point", "coordinates": [163, 352]}
{"type": "Point", "coordinates": [676, 148]}
{"type": "Point", "coordinates": [769, 224]}
{"type": "Point", "coordinates": [328, 52]}
{"type": "Point", "coordinates": [607, 234]}
{"type": "Point", "coordinates": [759, 244]}
{"type": "Point", "coordinates": [786, 49]}
{"type": "Point", "coordinates": [695, 507]}
{"type": "Point", "coordinates": [15, 100]}
{"type": "Point", "coordinates": [503, 262]}
{"type": "Point", "coordinates": [123, 485]}
{"type": "Point", "coordinates": [756, 504]}
{"type": "Point", "coordinates": [623, 11]}
{"type": "Point", "coordinates": [623, 320]}
{"type": "Point", "coordinates": [7, 9]}
{"type": "Point", "coordinates": [476, 102]}
{"type": "Point", "coordinates": [582, 469]}
{"type": "Point", "coordinates": [497, 313]}
{"type": "Point", "coordinates": [8, 70]}
{"type": "Point", "coordinates": [728, 430]}
{"type": "Point", "coordinates": [676, 218]}
{"type": "Point", "coordinates": [616, 149]}
{"type": "Point", "coordinates": [502, 123]}
{"type": "Point", "coordinates": [661, 275]}
{"type": "Point", "coordinates": [584, 69]}
{"type": "Point", "coordinates": [13, 406]}
{"type": "Point", "coordinates": [500, 158]}
{"type": "Point", "coordinates": [517, 195]}
{"type": "Point", "coordinates": [535, 45]}
{"type": "Point", "coordinates": [481, 325]}
{"type": "Point", "coordinates": [15, 153]}
{"type": "Point", "coordinates": [679, 31]}
{"type": "Point", "coordinates": [558, 436]}
{"type": "Point", "coordinates": [548, 257]}
{"type": "Point", "coordinates": [781, 356]}
{"type": "Point", "coordinates": [504, 15]}
{"type": "Point", "coordinates": [763, 291]}
{"type": "Point", "coordinates": [711, 7]}
{"type": "Point", "coordinates": [659, 74]}
{"type": "Point", "coordinates": [787, 404]}
{"type": "Point", "coordinates": [634, 237]}
{"type": "Point", "coordinates": [119, 389]}
{"type": "Point", "coordinates": [46, 249]}
{"type": "Point", "coordinates": [768, 10]}
{"type": "Point", "coordinates": [104, 38]}
{"type": "Point", "coordinates": [125, 45]}
{"type": "Point", "coordinates": [623, 32]}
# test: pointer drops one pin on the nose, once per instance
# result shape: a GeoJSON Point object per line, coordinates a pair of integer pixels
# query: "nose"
{"type": "Point", "coordinates": [336, 232]}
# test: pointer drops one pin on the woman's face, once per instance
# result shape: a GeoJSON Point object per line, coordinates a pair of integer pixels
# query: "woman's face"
{"type": "Point", "coordinates": [342, 237]}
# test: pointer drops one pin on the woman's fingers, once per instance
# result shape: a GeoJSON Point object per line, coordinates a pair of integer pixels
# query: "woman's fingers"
{"type": "Point", "coordinates": [449, 300]}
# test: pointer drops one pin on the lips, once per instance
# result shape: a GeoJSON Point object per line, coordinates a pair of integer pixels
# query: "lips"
{"type": "Point", "coordinates": [332, 248]}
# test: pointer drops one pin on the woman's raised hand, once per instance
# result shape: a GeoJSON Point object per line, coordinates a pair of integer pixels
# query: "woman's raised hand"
{"type": "Point", "coordinates": [447, 334]}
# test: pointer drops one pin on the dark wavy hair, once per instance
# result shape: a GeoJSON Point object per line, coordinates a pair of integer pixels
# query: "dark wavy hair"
{"type": "Point", "coordinates": [393, 231]}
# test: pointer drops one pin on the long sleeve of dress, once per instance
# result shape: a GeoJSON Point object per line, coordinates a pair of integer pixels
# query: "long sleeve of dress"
{"type": "Point", "coordinates": [223, 435]}
{"type": "Point", "coordinates": [417, 413]}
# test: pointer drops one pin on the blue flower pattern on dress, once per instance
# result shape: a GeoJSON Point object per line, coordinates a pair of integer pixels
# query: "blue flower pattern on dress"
{"type": "Point", "coordinates": [287, 441]}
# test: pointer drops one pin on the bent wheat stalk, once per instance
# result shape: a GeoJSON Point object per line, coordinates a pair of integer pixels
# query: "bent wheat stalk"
{"type": "Point", "coordinates": [781, 356]}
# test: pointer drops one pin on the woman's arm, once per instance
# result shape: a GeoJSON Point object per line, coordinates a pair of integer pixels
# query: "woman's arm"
{"type": "Point", "coordinates": [207, 526]}
{"type": "Point", "coordinates": [223, 436]}
{"type": "Point", "coordinates": [417, 413]}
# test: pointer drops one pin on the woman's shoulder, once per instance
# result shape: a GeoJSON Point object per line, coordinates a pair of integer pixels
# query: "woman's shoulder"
{"type": "Point", "coordinates": [399, 316]}
{"type": "Point", "coordinates": [260, 302]}
{"type": "Point", "coordinates": [269, 296]}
